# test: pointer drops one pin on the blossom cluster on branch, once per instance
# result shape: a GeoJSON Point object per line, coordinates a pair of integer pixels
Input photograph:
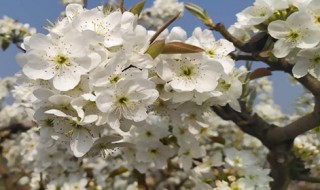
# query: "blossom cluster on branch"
{"type": "Point", "coordinates": [112, 99]}
{"type": "Point", "coordinates": [12, 31]}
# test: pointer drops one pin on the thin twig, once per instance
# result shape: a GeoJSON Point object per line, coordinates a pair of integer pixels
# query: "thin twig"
{"type": "Point", "coordinates": [85, 3]}
{"type": "Point", "coordinates": [122, 6]}
{"type": "Point", "coordinates": [154, 37]}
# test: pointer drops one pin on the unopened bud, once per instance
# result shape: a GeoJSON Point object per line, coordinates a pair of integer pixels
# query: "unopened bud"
{"type": "Point", "coordinates": [200, 13]}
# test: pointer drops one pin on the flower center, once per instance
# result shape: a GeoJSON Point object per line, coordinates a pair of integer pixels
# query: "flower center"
{"type": "Point", "coordinates": [211, 53]}
{"type": "Point", "coordinates": [148, 133]}
{"type": "Point", "coordinates": [123, 101]}
{"type": "Point", "coordinates": [235, 188]}
{"type": "Point", "coordinates": [48, 122]}
{"type": "Point", "coordinates": [317, 19]}
{"type": "Point", "coordinates": [115, 78]}
{"type": "Point", "coordinates": [187, 153]}
{"type": "Point", "coordinates": [316, 59]}
{"type": "Point", "coordinates": [154, 151]}
{"type": "Point", "coordinates": [186, 71]}
{"type": "Point", "coordinates": [293, 36]}
{"type": "Point", "coordinates": [61, 60]}
{"type": "Point", "coordinates": [222, 84]}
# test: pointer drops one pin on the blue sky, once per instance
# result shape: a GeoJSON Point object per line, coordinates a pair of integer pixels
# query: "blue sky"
{"type": "Point", "coordinates": [35, 12]}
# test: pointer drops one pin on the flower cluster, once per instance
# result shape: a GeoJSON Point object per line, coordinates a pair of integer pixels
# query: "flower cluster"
{"type": "Point", "coordinates": [112, 101]}
{"type": "Point", "coordinates": [95, 83]}
{"type": "Point", "coordinates": [294, 41]}
{"type": "Point", "coordinates": [13, 31]}
{"type": "Point", "coordinates": [29, 157]}
{"type": "Point", "coordinates": [96, 88]}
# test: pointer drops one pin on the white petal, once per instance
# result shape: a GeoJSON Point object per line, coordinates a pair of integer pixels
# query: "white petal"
{"type": "Point", "coordinates": [136, 115]}
{"type": "Point", "coordinates": [60, 99]}
{"type": "Point", "coordinates": [39, 42]}
{"type": "Point", "coordinates": [57, 113]}
{"type": "Point", "coordinates": [182, 84]}
{"type": "Point", "coordinates": [282, 48]}
{"type": "Point", "coordinates": [317, 71]}
{"type": "Point", "coordinates": [300, 69]}
{"type": "Point", "coordinates": [39, 69]}
{"type": "Point", "coordinates": [66, 79]}
{"type": "Point", "coordinates": [127, 20]}
{"type": "Point", "coordinates": [42, 93]}
{"type": "Point", "coordinates": [278, 29]}
{"type": "Point", "coordinates": [81, 142]}
{"type": "Point", "coordinates": [113, 120]}
{"type": "Point", "coordinates": [73, 10]}
{"type": "Point", "coordinates": [105, 101]}
{"type": "Point", "coordinates": [182, 97]}
{"type": "Point", "coordinates": [235, 105]}
{"type": "Point", "coordinates": [89, 119]}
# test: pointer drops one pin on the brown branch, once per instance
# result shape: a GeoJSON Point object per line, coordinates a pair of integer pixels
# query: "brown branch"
{"type": "Point", "coordinates": [298, 127]}
{"type": "Point", "coordinates": [253, 125]}
{"type": "Point", "coordinates": [242, 57]}
{"type": "Point", "coordinates": [41, 182]}
{"type": "Point", "coordinates": [117, 172]}
{"type": "Point", "coordinates": [278, 140]}
{"type": "Point", "coordinates": [253, 46]}
{"type": "Point", "coordinates": [304, 123]}
{"type": "Point", "coordinates": [122, 6]}
{"type": "Point", "coordinates": [308, 179]}
{"type": "Point", "coordinates": [280, 155]}
{"type": "Point", "coordinates": [85, 3]}
{"type": "Point", "coordinates": [226, 34]}
{"type": "Point", "coordinates": [141, 178]}
{"type": "Point", "coordinates": [16, 127]}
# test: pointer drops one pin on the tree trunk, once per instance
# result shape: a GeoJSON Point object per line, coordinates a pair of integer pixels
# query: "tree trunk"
{"type": "Point", "coordinates": [280, 158]}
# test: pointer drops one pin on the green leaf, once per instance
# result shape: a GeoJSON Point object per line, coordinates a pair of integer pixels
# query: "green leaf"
{"type": "Point", "coordinates": [5, 44]}
{"type": "Point", "coordinates": [261, 72]}
{"type": "Point", "coordinates": [137, 8]}
{"type": "Point", "coordinates": [155, 48]}
{"type": "Point", "coordinates": [200, 13]}
{"type": "Point", "coordinates": [180, 48]}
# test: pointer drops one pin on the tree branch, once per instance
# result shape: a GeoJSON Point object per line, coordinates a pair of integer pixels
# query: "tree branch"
{"type": "Point", "coordinates": [305, 123]}
{"type": "Point", "coordinates": [298, 127]}
{"type": "Point", "coordinates": [253, 125]}
{"type": "Point", "coordinates": [16, 127]}
{"type": "Point", "coordinates": [278, 140]}
{"type": "Point", "coordinates": [242, 57]}
{"type": "Point", "coordinates": [141, 178]}
{"type": "Point", "coordinates": [226, 34]}
{"type": "Point", "coordinates": [85, 3]}
{"type": "Point", "coordinates": [308, 179]}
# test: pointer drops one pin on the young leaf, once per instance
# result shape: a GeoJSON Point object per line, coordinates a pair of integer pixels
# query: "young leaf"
{"type": "Point", "coordinates": [156, 48]}
{"type": "Point", "coordinates": [180, 48]}
{"type": "Point", "coordinates": [137, 8]}
{"type": "Point", "coordinates": [261, 72]}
